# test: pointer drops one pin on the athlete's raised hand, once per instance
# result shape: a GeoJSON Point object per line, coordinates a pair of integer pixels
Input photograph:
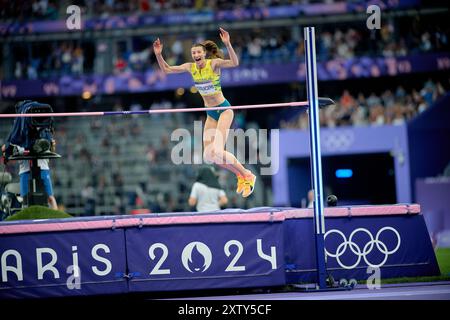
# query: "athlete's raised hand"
{"type": "Point", "coordinates": [224, 36]}
{"type": "Point", "coordinates": [157, 46]}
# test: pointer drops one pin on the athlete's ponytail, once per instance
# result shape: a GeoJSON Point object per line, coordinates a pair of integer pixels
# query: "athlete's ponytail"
{"type": "Point", "coordinates": [212, 50]}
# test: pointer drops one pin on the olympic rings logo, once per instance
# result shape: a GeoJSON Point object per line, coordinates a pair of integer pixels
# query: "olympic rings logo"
{"type": "Point", "coordinates": [338, 141]}
{"type": "Point", "coordinates": [368, 247]}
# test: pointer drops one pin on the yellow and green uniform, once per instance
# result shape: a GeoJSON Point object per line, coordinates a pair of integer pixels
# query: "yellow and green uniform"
{"type": "Point", "coordinates": [208, 83]}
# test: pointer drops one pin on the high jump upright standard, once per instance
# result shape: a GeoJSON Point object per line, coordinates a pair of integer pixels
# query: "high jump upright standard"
{"type": "Point", "coordinates": [315, 155]}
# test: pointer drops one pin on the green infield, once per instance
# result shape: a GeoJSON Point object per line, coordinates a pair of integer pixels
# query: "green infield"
{"type": "Point", "coordinates": [38, 212]}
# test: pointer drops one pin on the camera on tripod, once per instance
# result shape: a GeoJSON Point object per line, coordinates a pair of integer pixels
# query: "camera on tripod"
{"type": "Point", "coordinates": [30, 135]}
{"type": "Point", "coordinates": [31, 142]}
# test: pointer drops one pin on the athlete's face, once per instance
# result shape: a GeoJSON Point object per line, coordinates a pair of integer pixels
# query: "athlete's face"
{"type": "Point", "coordinates": [198, 54]}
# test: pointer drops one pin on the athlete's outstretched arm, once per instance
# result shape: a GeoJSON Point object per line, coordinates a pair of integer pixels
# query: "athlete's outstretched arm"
{"type": "Point", "coordinates": [233, 61]}
{"type": "Point", "coordinates": [165, 67]}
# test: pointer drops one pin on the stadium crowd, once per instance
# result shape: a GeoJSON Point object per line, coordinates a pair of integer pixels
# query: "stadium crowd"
{"type": "Point", "coordinates": [393, 107]}
{"type": "Point", "coordinates": [253, 47]}
{"type": "Point", "coordinates": [52, 9]}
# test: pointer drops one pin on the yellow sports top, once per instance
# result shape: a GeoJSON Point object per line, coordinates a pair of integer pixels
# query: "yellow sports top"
{"type": "Point", "coordinates": [205, 80]}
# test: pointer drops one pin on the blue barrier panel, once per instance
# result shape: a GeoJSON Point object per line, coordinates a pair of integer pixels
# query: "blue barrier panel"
{"type": "Point", "coordinates": [399, 245]}
{"type": "Point", "coordinates": [236, 248]}
{"type": "Point", "coordinates": [205, 256]}
{"type": "Point", "coordinates": [45, 264]}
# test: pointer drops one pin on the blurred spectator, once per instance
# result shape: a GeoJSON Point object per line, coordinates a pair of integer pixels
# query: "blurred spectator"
{"type": "Point", "coordinates": [310, 198]}
{"type": "Point", "coordinates": [258, 45]}
{"type": "Point", "coordinates": [88, 195]}
{"type": "Point", "coordinates": [386, 108]}
{"type": "Point", "coordinates": [206, 193]}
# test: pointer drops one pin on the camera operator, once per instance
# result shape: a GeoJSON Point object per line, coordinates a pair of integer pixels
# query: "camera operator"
{"type": "Point", "coordinates": [26, 136]}
{"type": "Point", "coordinates": [24, 174]}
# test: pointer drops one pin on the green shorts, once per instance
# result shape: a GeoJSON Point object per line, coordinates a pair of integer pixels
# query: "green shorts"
{"type": "Point", "coordinates": [215, 114]}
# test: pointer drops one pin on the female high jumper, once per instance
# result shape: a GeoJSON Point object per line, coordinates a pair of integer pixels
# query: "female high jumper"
{"type": "Point", "coordinates": [205, 71]}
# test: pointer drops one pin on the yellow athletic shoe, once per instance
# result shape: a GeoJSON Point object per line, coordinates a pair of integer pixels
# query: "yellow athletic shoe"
{"type": "Point", "coordinates": [240, 183]}
{"type": "Point", "coordinates": [249, 186]}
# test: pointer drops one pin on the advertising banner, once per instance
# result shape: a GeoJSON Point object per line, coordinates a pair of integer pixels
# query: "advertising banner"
{"type": "Point", "coordinates": [205, 256]}
{"type": "Point", "coordinates": [358, 248]}
{"type": "Point", "coordinates": [203, 15]}
{"type": "Point", "coordinates": [245, 75]}
{"type": "Point", "coordinates": [62, 264]}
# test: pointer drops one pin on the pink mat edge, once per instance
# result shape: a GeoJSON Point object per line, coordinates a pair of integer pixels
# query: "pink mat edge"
{"type": "Point", "coordinates": [136, 221]}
